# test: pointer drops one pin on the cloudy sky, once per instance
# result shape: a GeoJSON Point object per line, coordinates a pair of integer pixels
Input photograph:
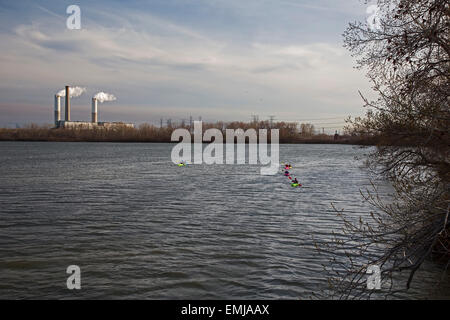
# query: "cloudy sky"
{"type": "Point", "coordinates": [219, 59]}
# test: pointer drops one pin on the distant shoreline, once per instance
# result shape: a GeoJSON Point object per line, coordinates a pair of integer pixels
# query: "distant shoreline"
{"type": "Point", "coordinates": [205, 142]}
{"type": "Point", "coordinates": [151, 134]}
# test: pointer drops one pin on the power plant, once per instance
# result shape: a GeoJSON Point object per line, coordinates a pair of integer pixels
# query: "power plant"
{"type": "Point", "coordinates": [67, 123]}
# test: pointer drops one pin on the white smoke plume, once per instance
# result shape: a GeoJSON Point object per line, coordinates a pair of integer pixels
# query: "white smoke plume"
{"type": "Point", "coordinates": [103, 96]}
{"type": "Point", "coordinates": [73, 91]}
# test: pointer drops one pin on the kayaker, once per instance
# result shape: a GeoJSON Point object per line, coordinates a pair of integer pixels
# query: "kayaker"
{"type": "Point", "coordinates": [295, 181]}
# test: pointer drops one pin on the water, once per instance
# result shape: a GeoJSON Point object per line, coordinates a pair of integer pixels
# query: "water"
{"type": "Point", "coordinates": [140, 227]}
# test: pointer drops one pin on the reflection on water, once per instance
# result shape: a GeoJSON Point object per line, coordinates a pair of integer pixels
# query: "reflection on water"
{"type": "Point", "coordinates": [141, 227]}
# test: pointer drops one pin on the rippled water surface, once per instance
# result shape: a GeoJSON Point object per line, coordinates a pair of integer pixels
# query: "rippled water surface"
{"type": "Point", "coordinates": [140, 227]}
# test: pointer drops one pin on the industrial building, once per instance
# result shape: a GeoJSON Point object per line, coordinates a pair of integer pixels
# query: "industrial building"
{"type": "Point", "coordinates": [94, 124]}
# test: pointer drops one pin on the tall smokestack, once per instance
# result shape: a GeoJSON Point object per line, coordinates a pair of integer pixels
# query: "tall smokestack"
{"type": "Point", "coordinates": [94, 110]}
{"type": "Point", "coordinates": [57, 109]}
{"type": "Point", "coordinates": [67, 103]}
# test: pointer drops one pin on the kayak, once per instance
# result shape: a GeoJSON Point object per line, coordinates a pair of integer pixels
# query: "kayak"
{"type": "Point", "coordinates": [181, 165]}
{"type": "Point", "coordinates": [295, 185]}
{"type": "Point", "coordinates": [287, 174]}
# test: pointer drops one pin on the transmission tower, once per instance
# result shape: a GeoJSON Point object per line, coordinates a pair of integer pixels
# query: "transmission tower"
{"type": "Point", "coordinates": [271, 121]}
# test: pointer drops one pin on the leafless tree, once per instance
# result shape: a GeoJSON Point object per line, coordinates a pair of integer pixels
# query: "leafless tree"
{"type": "Point", "coordinates": [307, 129]}
{"type": "Point", "coordinates": [407, 59]}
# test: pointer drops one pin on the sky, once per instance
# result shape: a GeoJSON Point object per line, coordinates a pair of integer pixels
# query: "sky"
{"type": "Point", "coordinates": [223, 60]}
